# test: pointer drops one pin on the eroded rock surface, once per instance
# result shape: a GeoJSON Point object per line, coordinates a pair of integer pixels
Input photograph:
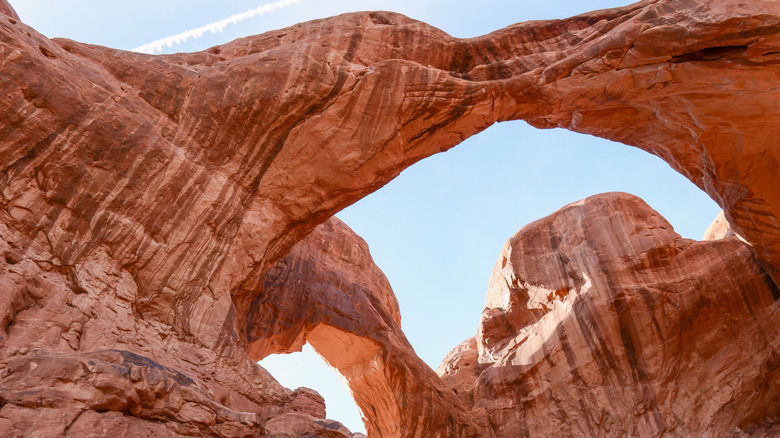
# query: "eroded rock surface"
{"type": "Point", "coordinates": [76, 360]}
{"type": "Point", "coordinates": [601, 321]}
{"type": "Point", "coordinates": [328, 292]}
{"type": "Point", "coordinates": [145, 198]}
{"type": "Point", "coordinates": [5, 8]}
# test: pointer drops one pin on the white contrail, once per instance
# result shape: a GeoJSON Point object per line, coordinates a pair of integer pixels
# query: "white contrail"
{"type": "Point", "coordinates": [217, 26]}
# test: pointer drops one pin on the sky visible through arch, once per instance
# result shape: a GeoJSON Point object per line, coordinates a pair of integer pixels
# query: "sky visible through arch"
{"type": "Point", "coordinates": [436, 230]}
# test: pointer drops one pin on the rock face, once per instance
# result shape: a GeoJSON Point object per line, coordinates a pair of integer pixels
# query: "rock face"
{"type": "Point", "coordinates": [5, 8]}
{"type": "Point", "coordinates": [601, 321]}
{"type": "Point", "coordinates": [328, 292]}
{"type": "Point", "coordinates": [146, 198]}
{"type": "Point", "coordinates": [76, 361]}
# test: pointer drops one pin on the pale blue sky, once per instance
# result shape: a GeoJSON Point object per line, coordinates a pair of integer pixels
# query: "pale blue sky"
{"type": "Point", "coordinates": [436, 230]}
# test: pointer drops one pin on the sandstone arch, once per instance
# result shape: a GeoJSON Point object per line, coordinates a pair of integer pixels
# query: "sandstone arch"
{"type": "Point", "coordinates": [329, 293]}
{"type": "Point", "coordinates": [95, 140]}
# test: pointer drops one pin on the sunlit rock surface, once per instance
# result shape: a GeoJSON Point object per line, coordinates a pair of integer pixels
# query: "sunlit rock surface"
{"type": "Point", "coordinates": [601, 321]}
{"type": "Point", "coordinates": [718, 229]}
{"type": "Point", "coordinates": [328, 292]}
{"type": "Point", "coordinates": [146, 198]}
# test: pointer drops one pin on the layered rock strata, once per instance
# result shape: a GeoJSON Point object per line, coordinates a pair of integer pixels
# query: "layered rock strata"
{"type": "Point", "coordinates": [601, 321]}
{"type": "Point", "coordinates": [145, 198]}
{"type": "Point", "coordinates": [78, 361]}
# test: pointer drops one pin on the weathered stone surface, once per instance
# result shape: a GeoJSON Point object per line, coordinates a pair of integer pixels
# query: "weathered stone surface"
{"type": "Point", "coordinates": [144, 199]}
{"type": "Point", "coordinates": [332, 267]}
{"type": "Point", "coordinates": [73, 349]}
{"type": "Point", "coordinates": [459, 368]}
{"type": "Point", "coordinates": [328, 292]}
{"type": "Point", "coordinates": [5, 8]}
{"type": "Point", "coordinates": [295, 424]}
{"type": "Point", "coordinates": [601, 321]}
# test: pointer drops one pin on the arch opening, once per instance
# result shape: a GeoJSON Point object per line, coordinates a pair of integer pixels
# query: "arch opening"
{"type": "Point", "coordinates": [438, 228]}
{"type": "Point", "coordinates": [508, 147]}
{"type": "Point", "coordinates": [614, 94]}
{"type": "Point", "coordinates": [307, 369]}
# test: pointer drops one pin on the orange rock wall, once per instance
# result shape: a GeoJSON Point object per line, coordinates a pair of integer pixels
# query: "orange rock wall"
{"type": "Point", "coordinates": [145, 199]}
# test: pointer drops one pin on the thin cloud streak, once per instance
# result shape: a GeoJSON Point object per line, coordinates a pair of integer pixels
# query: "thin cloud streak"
{"type": "Point", "coordinates": [217, 26]}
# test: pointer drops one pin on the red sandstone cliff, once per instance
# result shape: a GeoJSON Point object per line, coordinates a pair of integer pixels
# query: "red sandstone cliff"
{"type": "Point", "coordinates": [147, 199]}
{"type": "Point", "coordinates": [601, 321]}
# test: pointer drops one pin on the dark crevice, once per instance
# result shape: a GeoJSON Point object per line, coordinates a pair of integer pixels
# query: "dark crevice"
{"type": "Point", "coordinates": [772, 287]}
{"type": "Point", "coordinates": [46, 52]}
{"type": "Point", "coordinates": [711, 54]}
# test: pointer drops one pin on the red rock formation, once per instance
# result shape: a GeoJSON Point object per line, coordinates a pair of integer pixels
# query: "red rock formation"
{"type": "Point", "coordinates": [77, 359]}
{"type": "Point", "coordinates": [328, 292]}
{"type": "Point", "coordinates": [601, 321]}
{"type": "Point", "coordinates": [145, 198]}
{"type": "Point", "coordinates": [5, 8]}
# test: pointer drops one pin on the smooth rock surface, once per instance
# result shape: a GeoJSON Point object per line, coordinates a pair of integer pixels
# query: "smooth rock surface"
{"type": "Point", "coordinates": [601, 321]}
{"type": "Point", "coordinates": [718, 229]}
